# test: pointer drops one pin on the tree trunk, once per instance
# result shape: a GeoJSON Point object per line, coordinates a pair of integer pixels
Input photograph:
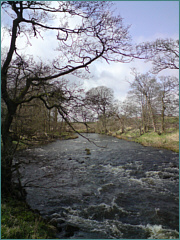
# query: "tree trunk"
{"type": "Point", "coordinates": [122, 125]}
{"type": "Point", "coordinates": [55, 119]}
{"type": "Point", "coordinates": [6, 164]}
{"type": "Point", "coordinates": [151, 113]}
{"type": "Point", "coordinates": [104, 120]}
{"type": "Point", "coordinates": [144, 123]}
{"type": "Point", "coordinates": [8, 150]}
{"type": "Point", "coordinates": [144, 115]}
{"type": "Point", "coordinates": [153, 119]}
{"type": "Point", "coordinates": [162, 115]}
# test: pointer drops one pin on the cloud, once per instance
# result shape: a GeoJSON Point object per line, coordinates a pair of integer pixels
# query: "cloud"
{"type": "Point", "coordinates": [114, 75]}
{"type": "Point", "coordinates": [118, 76]}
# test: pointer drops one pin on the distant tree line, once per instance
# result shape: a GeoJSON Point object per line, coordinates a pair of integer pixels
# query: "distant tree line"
{"type": "Point", "coordinates": [149, 100]}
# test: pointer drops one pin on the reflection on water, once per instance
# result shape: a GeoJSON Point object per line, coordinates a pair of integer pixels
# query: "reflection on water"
{"type": "Point", "coordinates": [121, 190]}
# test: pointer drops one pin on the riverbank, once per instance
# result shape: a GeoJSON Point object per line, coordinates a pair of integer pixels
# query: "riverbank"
{"type": "Point", "coordinates": [168, 140]}
{"type": "Point", "coordinates": [24, 143]}
{"type": "Point", "coordinates": [18, 221]}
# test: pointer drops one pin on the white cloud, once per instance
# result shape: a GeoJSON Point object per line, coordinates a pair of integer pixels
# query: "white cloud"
{"type": "Point", "coordinates": [113, 75]}
{"type": "Point", "coordinates": [119, 75]}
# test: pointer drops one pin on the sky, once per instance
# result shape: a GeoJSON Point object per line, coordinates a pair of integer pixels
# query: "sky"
{"type": "Point", "coordinates": [149, 20]}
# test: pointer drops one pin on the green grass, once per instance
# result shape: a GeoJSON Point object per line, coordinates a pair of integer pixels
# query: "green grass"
{"type": "Point", "coordinates": [20, 145]}
{"type": "Point", "coordinates": [172, 120]}
{"type": "Point", "coordinates": [19, 222]}
{"type": "Point", "coordinates": [168, 140]}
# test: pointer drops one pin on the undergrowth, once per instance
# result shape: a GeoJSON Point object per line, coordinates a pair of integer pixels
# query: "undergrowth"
{"type": "Point", "coordinates": [19, 222]}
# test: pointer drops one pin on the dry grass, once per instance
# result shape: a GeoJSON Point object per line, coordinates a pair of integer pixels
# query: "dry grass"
{"type": "Point", "coordinates": [166, 140]}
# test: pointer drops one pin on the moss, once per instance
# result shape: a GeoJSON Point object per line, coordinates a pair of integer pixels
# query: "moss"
{"type": "Point", "coordinates": [19, 222]}
{"type": "Point", "coordinates": [88, 151]}
{"type": "Point", "coordinates": [72, 136]}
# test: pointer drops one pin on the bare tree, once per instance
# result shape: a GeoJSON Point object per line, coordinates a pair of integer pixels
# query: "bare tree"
{"type": "Point", "coordinates": [128, 113]}
{"type": "Point", "coordinates": [100, 99]}
{"type": "Point", "coordinates": [120, 113]}
{"type": "Point", "coordinates": [146, 85]}
{"type": "Point", "coordinates": [97, 34]}
{"type": "Point", "coordinates": [158, 97]}
{"type": "Point", "coordinates": [164, 54]}
{"type": "Point", "coordinates": [169, 88]}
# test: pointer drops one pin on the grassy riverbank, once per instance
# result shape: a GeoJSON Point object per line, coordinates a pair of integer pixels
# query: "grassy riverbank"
{"type": "Point", "coordinates": [19, 222]}
{"type": "Point", "coordinates": [168, 140]}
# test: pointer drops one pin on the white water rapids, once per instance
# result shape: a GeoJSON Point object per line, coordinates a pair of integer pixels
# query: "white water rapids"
{"type": "Point", "coordinates": [122, 191]}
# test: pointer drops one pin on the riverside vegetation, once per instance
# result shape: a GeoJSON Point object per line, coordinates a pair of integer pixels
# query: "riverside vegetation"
{"type": "Point", "coordinates": [168, 139]}
{"type": "Point", "coordinates": [19, 222]}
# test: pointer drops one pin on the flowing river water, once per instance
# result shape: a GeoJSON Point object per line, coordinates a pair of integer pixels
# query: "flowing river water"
{"type": "Point", "coordinates": [120, 190]}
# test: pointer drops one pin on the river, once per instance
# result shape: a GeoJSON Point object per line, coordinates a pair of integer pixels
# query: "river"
{"type": "Point", "coordinates": [114, 189]}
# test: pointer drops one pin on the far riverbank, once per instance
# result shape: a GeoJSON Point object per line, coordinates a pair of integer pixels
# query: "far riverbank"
{"type": "Point", "coordinates": [168, 141]}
